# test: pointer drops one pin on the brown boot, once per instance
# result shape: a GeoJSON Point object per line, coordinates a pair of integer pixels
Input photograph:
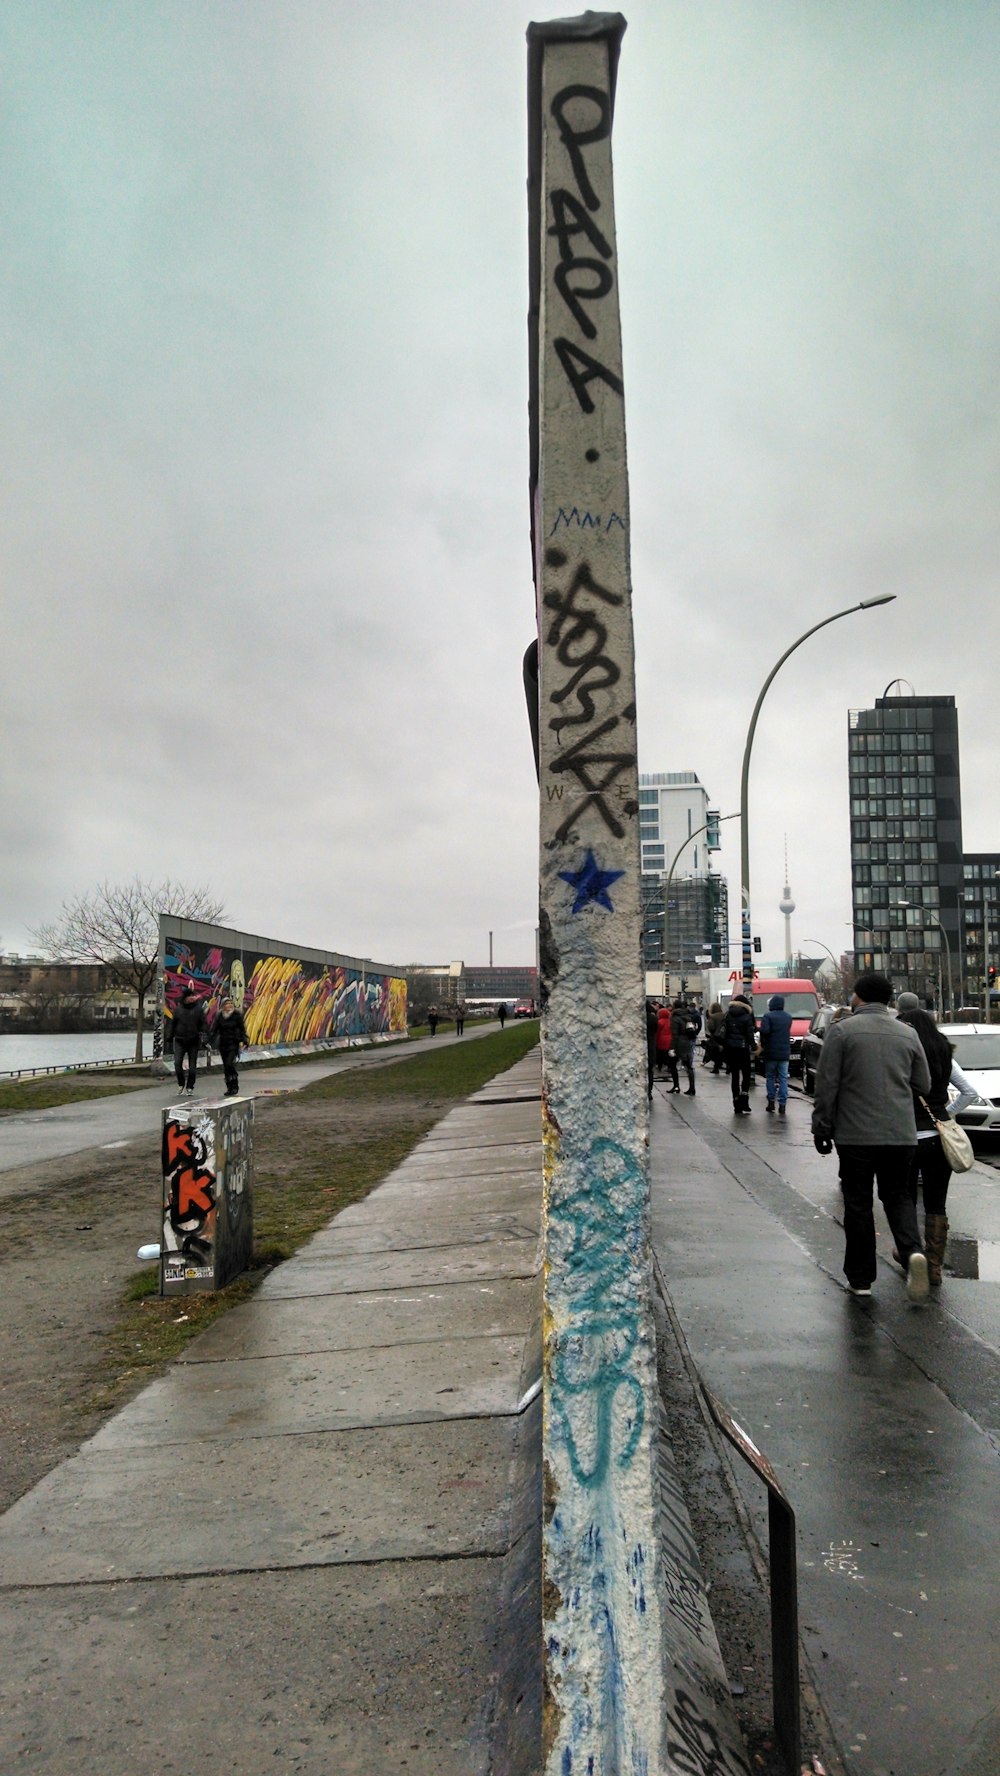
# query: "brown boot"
{"type": "Point", "coordinates": [935, 1240]}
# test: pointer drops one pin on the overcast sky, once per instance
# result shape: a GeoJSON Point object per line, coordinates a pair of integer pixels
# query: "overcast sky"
{"type": "Point", "coordinates": [266, 568]}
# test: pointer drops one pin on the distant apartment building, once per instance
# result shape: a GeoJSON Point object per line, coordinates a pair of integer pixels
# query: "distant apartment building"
{"type": "Point", "coordinates": [685, 907]}
{"type": "Point", "coordinates": [906, 843]}
{"type": "Point", "coordinates": [40, 995]}
{"type": "Point", "coordinates": [980, 921]}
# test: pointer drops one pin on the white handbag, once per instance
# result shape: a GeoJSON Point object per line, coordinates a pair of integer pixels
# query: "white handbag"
{"type": "Point", "coordinates": [955, 1143]}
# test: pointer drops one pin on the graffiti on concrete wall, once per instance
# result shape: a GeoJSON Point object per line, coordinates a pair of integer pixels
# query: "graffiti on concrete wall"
{"type": "Point", "coordinates": [189, 1188]}
{"type": "Point", "coordinates": [282, 998]}
{"type": "Point", "coordinates": [605, 1635]}
{"type": "Point", "coordinates": [595, 1397]}
{"type": "Point", "coordinates": [234, 1220]}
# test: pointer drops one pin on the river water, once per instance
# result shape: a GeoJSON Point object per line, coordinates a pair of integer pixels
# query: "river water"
{"type": "Point", "coordinates": [19, 1053]}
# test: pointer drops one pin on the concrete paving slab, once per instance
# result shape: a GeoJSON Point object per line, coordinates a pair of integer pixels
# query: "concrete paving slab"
{"type": "Point", "coordinates": [439, 1212]}
{"type": "Point", "coordinates": [358, 1670]}
{"type": "Point", "coordinates": [457, 1162]}
{"type": "Point", "coordinates": [397, 1493]}
{"type": "Point", "coordinates": [498, 1309]}
{"type": "Point", "coordinates": [324, 1390]}
{"type": "Point", "coordinates": [399, 1270]}
{"type": "Point", "coordinates": [409, 1234]}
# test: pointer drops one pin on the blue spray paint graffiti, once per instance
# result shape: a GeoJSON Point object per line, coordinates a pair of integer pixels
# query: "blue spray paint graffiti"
{"type": "Point", "coordinates": [591, 883]}
{"type": "Point", "coordinates": [595, 1240]}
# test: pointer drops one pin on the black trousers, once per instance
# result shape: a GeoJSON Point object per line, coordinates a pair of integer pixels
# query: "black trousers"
{"type": "Point", "coordinates": [738, 1062]}
{"type": "Point", "coordinates": [228, 1057]}
{"type": "Point", "coordinates": [861, 1169]}
{"type": "Point", "coordinates": [931, 1169]}
{"type": "Point", "coordinates": [185, 1051]}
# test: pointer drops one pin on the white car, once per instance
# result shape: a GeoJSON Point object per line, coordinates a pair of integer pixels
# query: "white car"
{"type": "Point", "coordinates": [977, 1051]}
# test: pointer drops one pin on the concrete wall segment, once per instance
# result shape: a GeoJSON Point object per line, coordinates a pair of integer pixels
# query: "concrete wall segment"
{"type": "Point", "coordinates": [604, 1610]}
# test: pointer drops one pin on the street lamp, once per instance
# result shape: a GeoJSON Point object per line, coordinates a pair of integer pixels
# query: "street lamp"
{"type": "Point", "coordinates": [670, 877]}
{"type": "Point", "coordinates": [823, 946]}
{"type": "Point", "coordinates": [987, 1002]}
{"type": "Point", "coordinates": [926, 913]}
{"type": "Point", "coordinates": [866, 604]}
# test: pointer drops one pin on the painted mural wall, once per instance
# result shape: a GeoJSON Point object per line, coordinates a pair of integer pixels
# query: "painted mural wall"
{"type": "Point", "coordinates": [283, 998]}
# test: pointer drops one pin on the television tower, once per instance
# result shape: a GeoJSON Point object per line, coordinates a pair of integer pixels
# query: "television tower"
{"type": "Point", "coordinates": [786, 905]}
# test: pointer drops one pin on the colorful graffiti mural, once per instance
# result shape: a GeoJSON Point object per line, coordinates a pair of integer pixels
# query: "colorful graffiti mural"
{"type": "Point", "coordinates": [284, 999]}
{"type": "Point", "coordinates": [207, 1195]}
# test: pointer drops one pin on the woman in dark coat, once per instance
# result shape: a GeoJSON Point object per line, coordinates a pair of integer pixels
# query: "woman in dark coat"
{"type": "Point", "coordinates": [930, 1167]}
{"type": "Point", "coordinates": [229, 1036]}
{"type": "Point", "coordinates": [739, 1034]}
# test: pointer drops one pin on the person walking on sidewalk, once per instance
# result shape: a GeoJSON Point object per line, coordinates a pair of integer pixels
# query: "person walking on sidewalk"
{"type": "Point", "coordinates": [738, 1037]}
{"type": "Point", "coordinates": [930, 1166]}
{"type": "Point", "coordinates": [432, 1019]}
{"type": "Point", "coordinates": [869, 1068]}
{"type": "Point", "coordinates": [776, 1047]}
{"type": "Point", "coordinates": [652, 1025]}
{"type": "Point", "coordinates": [189, 1031]}
{"type": "Point", "coordinates": [685, 1023]}
{"type": "Point", "coordinates": [459, 1019]}
{"type": "Point", "coordinates": [229, 1036]}
{"type": "Point", "coordinates": [714, 1055]}
{"type": "Point", "coordinates": [665, 1045]}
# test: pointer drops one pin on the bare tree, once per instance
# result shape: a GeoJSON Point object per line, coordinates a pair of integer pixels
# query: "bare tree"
{"type": "Point", "coordinates": [118, 924]}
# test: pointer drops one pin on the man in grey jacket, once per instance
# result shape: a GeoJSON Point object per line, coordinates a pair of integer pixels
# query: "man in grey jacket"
{"type": "Point", "coordinates": [869, 1067]}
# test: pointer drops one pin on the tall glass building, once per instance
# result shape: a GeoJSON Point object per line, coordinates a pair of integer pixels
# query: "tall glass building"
{"type": "Point", "coordinates": [906, 843]}
{"type": "Point", "coordinates": [692, 919]}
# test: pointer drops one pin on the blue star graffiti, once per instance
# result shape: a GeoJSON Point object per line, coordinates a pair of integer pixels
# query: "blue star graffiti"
{"type": "Point", "coordinates": [591, 883]}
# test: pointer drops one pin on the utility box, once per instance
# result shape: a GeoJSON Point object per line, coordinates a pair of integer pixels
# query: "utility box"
{"type": "Point", "coordinates": [207, 1194]}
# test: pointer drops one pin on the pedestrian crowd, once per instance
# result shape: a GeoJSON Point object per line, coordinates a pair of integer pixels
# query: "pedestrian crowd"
{"type": "Point", "coordinates": [887, 1091]}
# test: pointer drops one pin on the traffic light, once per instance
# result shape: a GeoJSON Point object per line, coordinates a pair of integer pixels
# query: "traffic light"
{"type": "Point", "coordinates": [712, 841]}
{"type": "Point", "coordinates": [756, 944]}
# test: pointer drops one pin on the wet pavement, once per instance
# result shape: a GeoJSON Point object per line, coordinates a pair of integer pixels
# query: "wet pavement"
{"type": "Point", "coordinates": [313, 1543]}
{"type": "Point", "coordinates": [881, 1419]}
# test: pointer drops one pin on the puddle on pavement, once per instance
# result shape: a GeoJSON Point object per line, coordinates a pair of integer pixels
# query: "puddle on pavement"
{"type": "Point", "coordinates": [975, 1259]}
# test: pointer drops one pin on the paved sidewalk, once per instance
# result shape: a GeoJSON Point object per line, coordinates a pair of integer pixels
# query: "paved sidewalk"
{"type": "Point", "coordinates": [881, 1419]}
{"type": "Point", "coordinates": [314, 1543]}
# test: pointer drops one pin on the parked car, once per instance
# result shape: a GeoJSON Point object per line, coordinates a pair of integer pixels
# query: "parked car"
{"type": "Point", "coordinates": [812, 1043]}
{"type": "Point", "coordinates": [525, 1008]}
{"type": "Point", "coordinates": [977, 1051]}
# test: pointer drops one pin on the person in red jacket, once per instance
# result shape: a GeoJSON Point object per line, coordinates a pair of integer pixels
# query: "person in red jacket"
{"type": "Point", "coordinates": [664, 1046]}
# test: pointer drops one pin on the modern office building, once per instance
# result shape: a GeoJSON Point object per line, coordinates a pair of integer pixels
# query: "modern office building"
{"type": "Point", "coordinates": [980, 922]}
{"type": "Point", "coordinates": [685, 909]}
{"type": "Point", "coordinates": [906, 843]}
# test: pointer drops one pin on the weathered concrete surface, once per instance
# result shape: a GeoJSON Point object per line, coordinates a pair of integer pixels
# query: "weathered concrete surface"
{"type": "Point", "coordinates": [499, 1308]}
{"type": "Point", "coordinates": [117, 1512]}
{"type": "Point", "coordinates": [215, 1583]}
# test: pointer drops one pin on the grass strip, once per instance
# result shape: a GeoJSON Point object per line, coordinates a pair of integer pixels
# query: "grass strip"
{"type": "Point", "coordinates": [316, 1151]}
{"type": "Point", "coordinates": [45, 1093]}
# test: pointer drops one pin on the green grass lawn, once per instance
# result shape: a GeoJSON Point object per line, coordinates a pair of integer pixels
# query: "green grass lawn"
{"type": "Point", "coordinates": [51, 1089]}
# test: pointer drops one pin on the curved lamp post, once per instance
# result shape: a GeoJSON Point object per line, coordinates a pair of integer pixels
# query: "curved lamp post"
{"type": "Point", "coordinates": [926, 913]}
{"type": "Point", "coordinates": [670, 877]}
{"type": "Point", "coordinates": [865, 604]}
{"type": "Point", "coordinates": [823, 946]}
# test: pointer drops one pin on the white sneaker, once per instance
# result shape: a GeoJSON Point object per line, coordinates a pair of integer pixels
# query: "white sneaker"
{"type": "Point", "coordinates": [866, 1294]}
{"type": "Point", "coordinates": [917, 1281]}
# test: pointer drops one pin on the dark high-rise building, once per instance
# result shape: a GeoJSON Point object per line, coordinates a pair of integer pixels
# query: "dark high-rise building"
{"type": "Point", "coordinates": [906, 843]}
